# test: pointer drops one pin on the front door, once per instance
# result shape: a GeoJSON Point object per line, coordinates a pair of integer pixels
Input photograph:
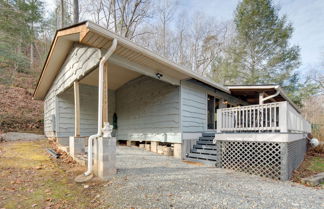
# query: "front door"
{"type": "Point", "coordinates": [213, 105]}
{"type": "Point", "coordinates": [211, 112]}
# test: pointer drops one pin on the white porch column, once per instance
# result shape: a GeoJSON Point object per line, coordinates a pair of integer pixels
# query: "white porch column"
{"type": "Point", "coordinates": [76, 109]}
{"type": "Point", "coordinates": [283, 117]}
{"type": "Point", "coordinates": [105, 97]}
{"type": "Point", "coordinates": [76, 143]}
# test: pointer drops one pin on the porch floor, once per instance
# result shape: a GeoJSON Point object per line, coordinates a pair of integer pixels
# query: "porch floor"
{"type": "Point", "coordinates": [149, 180]}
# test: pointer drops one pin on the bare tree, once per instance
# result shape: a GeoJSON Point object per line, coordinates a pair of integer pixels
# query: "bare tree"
{"type": "Point", "coordinates": [121, 16]}
{"type": "Point", "coordinates": [130, 14]}
{"type": "Point", "coordinates": [62, 14]}
{"type": "Point", "coordinates": [165, 11]}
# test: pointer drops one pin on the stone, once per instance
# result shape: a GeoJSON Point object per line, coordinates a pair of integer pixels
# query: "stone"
{"type": "Point", "coordinates": [142, 146]}
{"type": "Point", "coordinates": [63, 148]}
{"type": "Point", "coordinates": [148, 147]}
{"type": "Point", "coordinates": [130, 143]}
{"type": "Point", "coordinates": [167, 151]}
{"type": "Point", "coordinates": [177, 150]}
{"type": "Point", "coordinates": [77, 145]}
{"type": "Point", "coordinates": [160, 149]}
{"type": "Point", "coordinates": [105, 157]}
{"type": "Point", "coordinates": [314, 180]}
{"type": "Point", "coordinates": [154, 146]}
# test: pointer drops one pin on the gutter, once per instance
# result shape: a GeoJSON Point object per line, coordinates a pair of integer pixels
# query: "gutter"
{"type": "Point", "coordinates": [271, 96]}
{"type": "Point", "coordinates": [106, 127]}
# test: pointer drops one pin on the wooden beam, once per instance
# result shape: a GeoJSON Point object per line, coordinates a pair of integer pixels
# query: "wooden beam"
{"type": "Point", "coordinates": [105, 96]}
{"type": "Point", "coordinates": [76, 109]}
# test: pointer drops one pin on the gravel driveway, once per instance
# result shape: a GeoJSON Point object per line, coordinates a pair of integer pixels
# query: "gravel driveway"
{"type": "Point", "coordinates": [149, 180]}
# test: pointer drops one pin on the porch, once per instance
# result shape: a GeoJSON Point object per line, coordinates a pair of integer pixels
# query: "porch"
{"type": "Point", "coordinates": [277, 117]}
{"type": "Point", "coordinates": [266, 139]}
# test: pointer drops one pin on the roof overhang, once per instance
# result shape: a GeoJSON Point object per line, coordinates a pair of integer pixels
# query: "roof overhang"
{"type": "Point", "coordinates": [250, 93]}
{"type": "Point", "coordinates": [93, 35]}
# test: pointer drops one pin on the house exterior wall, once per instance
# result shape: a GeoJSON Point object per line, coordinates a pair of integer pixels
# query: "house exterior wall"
{"type": "Point", "coordinates": [80, 61]}
{"type": "Point", "coordinates": [194, 107]}
{"type": "Point", "coordinates": [49, 114]}
{"type": "Point", "coordinates": [148, 110]}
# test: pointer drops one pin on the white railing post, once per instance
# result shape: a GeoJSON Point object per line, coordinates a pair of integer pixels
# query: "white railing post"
{"type": "Point", "coordinates": [283, 119]}
{"type": "Point", "coordinates": [219, 120]}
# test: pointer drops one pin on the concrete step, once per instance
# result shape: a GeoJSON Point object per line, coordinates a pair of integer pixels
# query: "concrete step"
{"type": "Point", "coordinates": [204, 151]}
{"type": "Point", "coordinates": [205, 162]}
{"type": "Point", "coordinates": [209, 134]}
{"type": "Point", "coordinates": [200, 146]}
{"type": "Point", "coordinates": [202, 156]}
{"type": "Point", "coordinates": [205, 142]}
{"type": "Point", "coordinates": [204, 138]}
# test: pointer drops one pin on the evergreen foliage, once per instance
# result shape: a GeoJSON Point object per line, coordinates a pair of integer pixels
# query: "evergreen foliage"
{"type": "Point", "coordinates": [260, 52]}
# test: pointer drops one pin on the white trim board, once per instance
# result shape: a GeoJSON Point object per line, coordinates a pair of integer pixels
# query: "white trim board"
{"type": "Point", "coordinates": [260, 137]}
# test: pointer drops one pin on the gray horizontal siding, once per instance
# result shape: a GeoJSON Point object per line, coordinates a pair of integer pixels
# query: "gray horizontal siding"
{"type": "Point", "coordinates": [88, 111]}
{"type": "Point", "coordinates": [193, 107]}
{"type": "Point", "coordinates": [49, 114]}
{"type": "Point", "coordinates": [148, 109]}
{"type": "Point", "coordinates": [79, 62]}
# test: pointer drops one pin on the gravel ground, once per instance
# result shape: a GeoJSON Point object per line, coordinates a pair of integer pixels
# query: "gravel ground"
{"type": "Point", "coordinates": [149, 180]}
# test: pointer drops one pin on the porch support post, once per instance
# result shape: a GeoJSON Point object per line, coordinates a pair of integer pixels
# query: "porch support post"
{"type": "Point", "coordinates": [261, 98]}
{"type": "Point", "coordinates": [105, 146]}
{"type": "Point", "coordinates": [283, 117]}
{"type": "Point", "coordinates": [76, 143]}
{"type": "Point", "coordinates": [76, 109]}
{"type": "Point", "coordinates": [105, 97]}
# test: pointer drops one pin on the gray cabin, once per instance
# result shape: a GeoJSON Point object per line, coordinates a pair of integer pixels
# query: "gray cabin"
{"type": "Point", "coordinates": [149, 99]}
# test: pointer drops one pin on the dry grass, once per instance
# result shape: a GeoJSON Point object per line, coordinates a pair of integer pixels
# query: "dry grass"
{"type": "Point", "coordinates": [313, 164]}
{"type": "Point", "coordinates": [29, 178]}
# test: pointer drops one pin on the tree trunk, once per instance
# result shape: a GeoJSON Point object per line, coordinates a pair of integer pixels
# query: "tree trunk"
{"type": "Point", "coordinates": [62, 14]}
{"type": "Point", "coordinates": [75, 11]}
{"type": "Point", "coordinates": [114, 15]}
{"type": "Point", "coordinates": [31, 55]}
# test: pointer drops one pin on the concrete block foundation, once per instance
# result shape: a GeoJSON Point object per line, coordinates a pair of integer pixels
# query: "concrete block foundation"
{"type": "Point", "coordinates": [105, 157]}
{"type": "Point", "coordinates": [154, 147]}
{"type": "Point", "coordinates": [160, 149]}
{"type": "Point", "coordinates": [167, 151]}
{"type": "Point", "coordinates": [76, 145]}
{"type": "Point", "coordinates": [148, 147]}
{"type": "Point", "coordinates": [64, 141]}
{"type": "Point", "coordinates": [130, 143]}
{"type": "Point", "coordinates": [177, 151]}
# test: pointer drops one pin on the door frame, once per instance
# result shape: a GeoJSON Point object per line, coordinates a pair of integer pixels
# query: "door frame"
{"type": "Point", "coordinates": [220, 100]}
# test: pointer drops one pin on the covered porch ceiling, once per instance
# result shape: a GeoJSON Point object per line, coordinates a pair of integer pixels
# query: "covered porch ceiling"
{"type": "Point", "coordinates": [250, 93]}
{"type": "Point", "coordinates": [117, 76]}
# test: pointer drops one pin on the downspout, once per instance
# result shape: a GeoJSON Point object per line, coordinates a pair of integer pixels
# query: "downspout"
{"type": "Point", "coordinates": [271, 96]}
{"type": "Point", "coordinates": [103, 60]}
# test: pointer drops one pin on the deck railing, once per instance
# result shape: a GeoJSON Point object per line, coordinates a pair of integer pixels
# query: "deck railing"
{"type": "Point", "coordinates": [271, 117]}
